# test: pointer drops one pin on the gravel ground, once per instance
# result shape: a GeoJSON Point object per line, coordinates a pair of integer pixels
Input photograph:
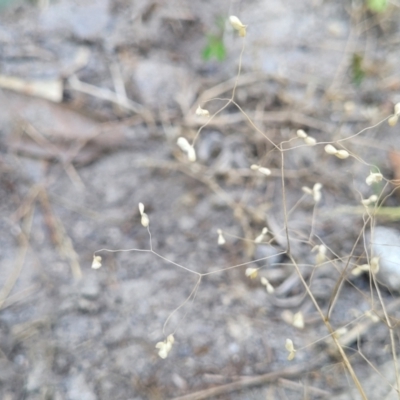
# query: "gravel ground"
{"type": "Point", "coordinates": [73, 172]}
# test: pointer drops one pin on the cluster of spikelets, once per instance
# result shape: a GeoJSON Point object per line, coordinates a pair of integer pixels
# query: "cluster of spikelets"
{"type": "Point", "coordinates": [297, 319]}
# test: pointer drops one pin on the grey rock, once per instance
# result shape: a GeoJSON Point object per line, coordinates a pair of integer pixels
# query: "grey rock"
{"type": "Point", "coordinates": [90, 288]}
{"type": "Point", "coordinates": [385, 244]}
{"type": "Point", "coordinates": [161, 85]}
{"type": "Point", "coordinates": [87, 306]}
{"type": "Point", "coordinates": [116, 334]}
{"type": "Point", "coordinates": [86, 20]}
{"type": "Point", "coordinates": [37, 378]}
{"type": "Point", "coordinates": [265, 250]}
{"type": "Point", "coordinates": [79, 389]}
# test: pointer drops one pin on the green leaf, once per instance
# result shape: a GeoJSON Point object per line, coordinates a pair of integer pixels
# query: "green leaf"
{"type": "Point", "coordinates": [207, 53]}
{"type": "Point", "coordinates": [220, 51]}
{"type": "Point", "coordinates": [377, 5]}
{"type": "Point", "coordinates": [357, 69]}
{"type": "Point", "coordinates": [215, 48]}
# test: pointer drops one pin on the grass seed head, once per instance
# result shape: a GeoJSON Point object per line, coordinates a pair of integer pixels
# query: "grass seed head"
{"type": "Point", "coordinates": [165, 346]}
{"type": "Point", "coordinates": [330, 149]}
{"type": "Point", "coordinates": [96, 264]}
{"type": "Point", "coordinates": [310, 141]}
{"type": "Point", "coordinates": [145, 220]}
{"type": "Point", "coordinates": [321, 255]}
{"type": "Point", "coordinates": [301, 134]}
{"type": "Point", "coordinates": [372, 316]}
{"type": "Point", "coordinates": [357, 271]}
{"type": "Point", "coordinates": [392, 121]}
{"type": "Point", "coordinates": [141, 208]}
{"type": "Point", "coordinates": [374, 265]}
{"type": "Point", "coordinates": [264, 281]}
{"type": "Point", "coordinates": [340, 332]}
{"type": "Point", "coordinates": [237, 25]}
{"type": "Point", "coordinates": [252, 273]}
{"type": "Point", "coordinates": [372, 199]}
{"type": "Point", "coordinates": [307, 190]}
{"type": "Point", "coordinates": [263, 170]}
{"type": "Point", "coordinates": [298, 320]}
{"type": "Point", "coordinates": [342, 154]}
{"type": "Point", "coordinates": [316, 192]}
{"type": "Point", "coordinates": [183, 144]}
{"type": "Point", "coordinates": [191, 154]}
{"type": "Point", "coordinates": [187, 148]}
{"type": "Point", "coordinates": [373, 177]}
{"type": "Point", "coordinates": [289, 346]}
{"type": "Point", "coordinates": [260, 237]}
{"type": "Point", "coordinates": [201, 112]}
{"type": "Point", "coordinates": [221, 239]}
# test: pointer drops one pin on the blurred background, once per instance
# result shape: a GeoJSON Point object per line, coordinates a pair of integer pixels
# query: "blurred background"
{"type": "Point", "coordinates": [93, 96]}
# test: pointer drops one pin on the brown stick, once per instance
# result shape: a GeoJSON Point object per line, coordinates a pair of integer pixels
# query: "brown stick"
{"type": "Point", "coordinates": [289, 372]}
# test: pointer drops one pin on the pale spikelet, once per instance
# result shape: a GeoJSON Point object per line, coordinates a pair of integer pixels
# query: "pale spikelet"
{"type": "Point", "coordinates": [357, 271]}
{"type": "Point", "coordinates": [307, 190]}
{"type": "Point", "coordinates": [221, 239]}
{"type": "Point", "coordinates": [372, 316]}
{"type": "Point", "coordinates": [187, 148]}
{"type": "Point", "coordinates": [289, 346]}
{"type": "Point", "coordinates": [392, 121]}
{"type": "Point", "coordinates": [96, 264]}
{"type": "Point", "coordinates": [263, 170]}
{"type": "Point", "coordinates": [316, 191]}
{"type": "Point", "coordinates": [145, 220]}
{"type": "Point", "coordinates": [237, 25]}
{"type": "Point", "coordinates": [252, 273]}
{"type": "Point", "coordinates": [201, 112]}
{"type": "Point", "coordinates": [321, 255]}
{"type": "Point", "coordinates": [340, 332]}
{"type": "Point", "coordinates": [330, 149]}
{"type": "Point", "coordinates": [191, 154]}
{"type": "Point", "coordinates": [374, 265]}
{"type": "Point", "coordinates": [144, 217]}
{"type": "Point", "coordinates": [342, 154]}
{"type": "Point", "coordinates": [372, 199]}
{"type": "Point", "coordinates": [141, 208]}
{"type": "Point", "coordinates": [310, 141]}
{"type": "Point", "coordinates": [260, 237]}
{"type": "Point", "coordinates": [264, 281]}
{"type": "Point", "coordinates": [397, 109]}
{"type": "Point", "coordinates": [298, 320]}
{"type": "Point", "coordinates": [165, 346]}
{"type": "Point", "coordinates": [373, 177]}
{"type": "Point", "coordinates": [301, 134]}
{"type": "Point", "coordinates": [183, 144]}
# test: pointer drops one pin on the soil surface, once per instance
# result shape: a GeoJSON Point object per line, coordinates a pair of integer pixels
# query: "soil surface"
{"type": "Point", "coordinates": [93, 97]}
